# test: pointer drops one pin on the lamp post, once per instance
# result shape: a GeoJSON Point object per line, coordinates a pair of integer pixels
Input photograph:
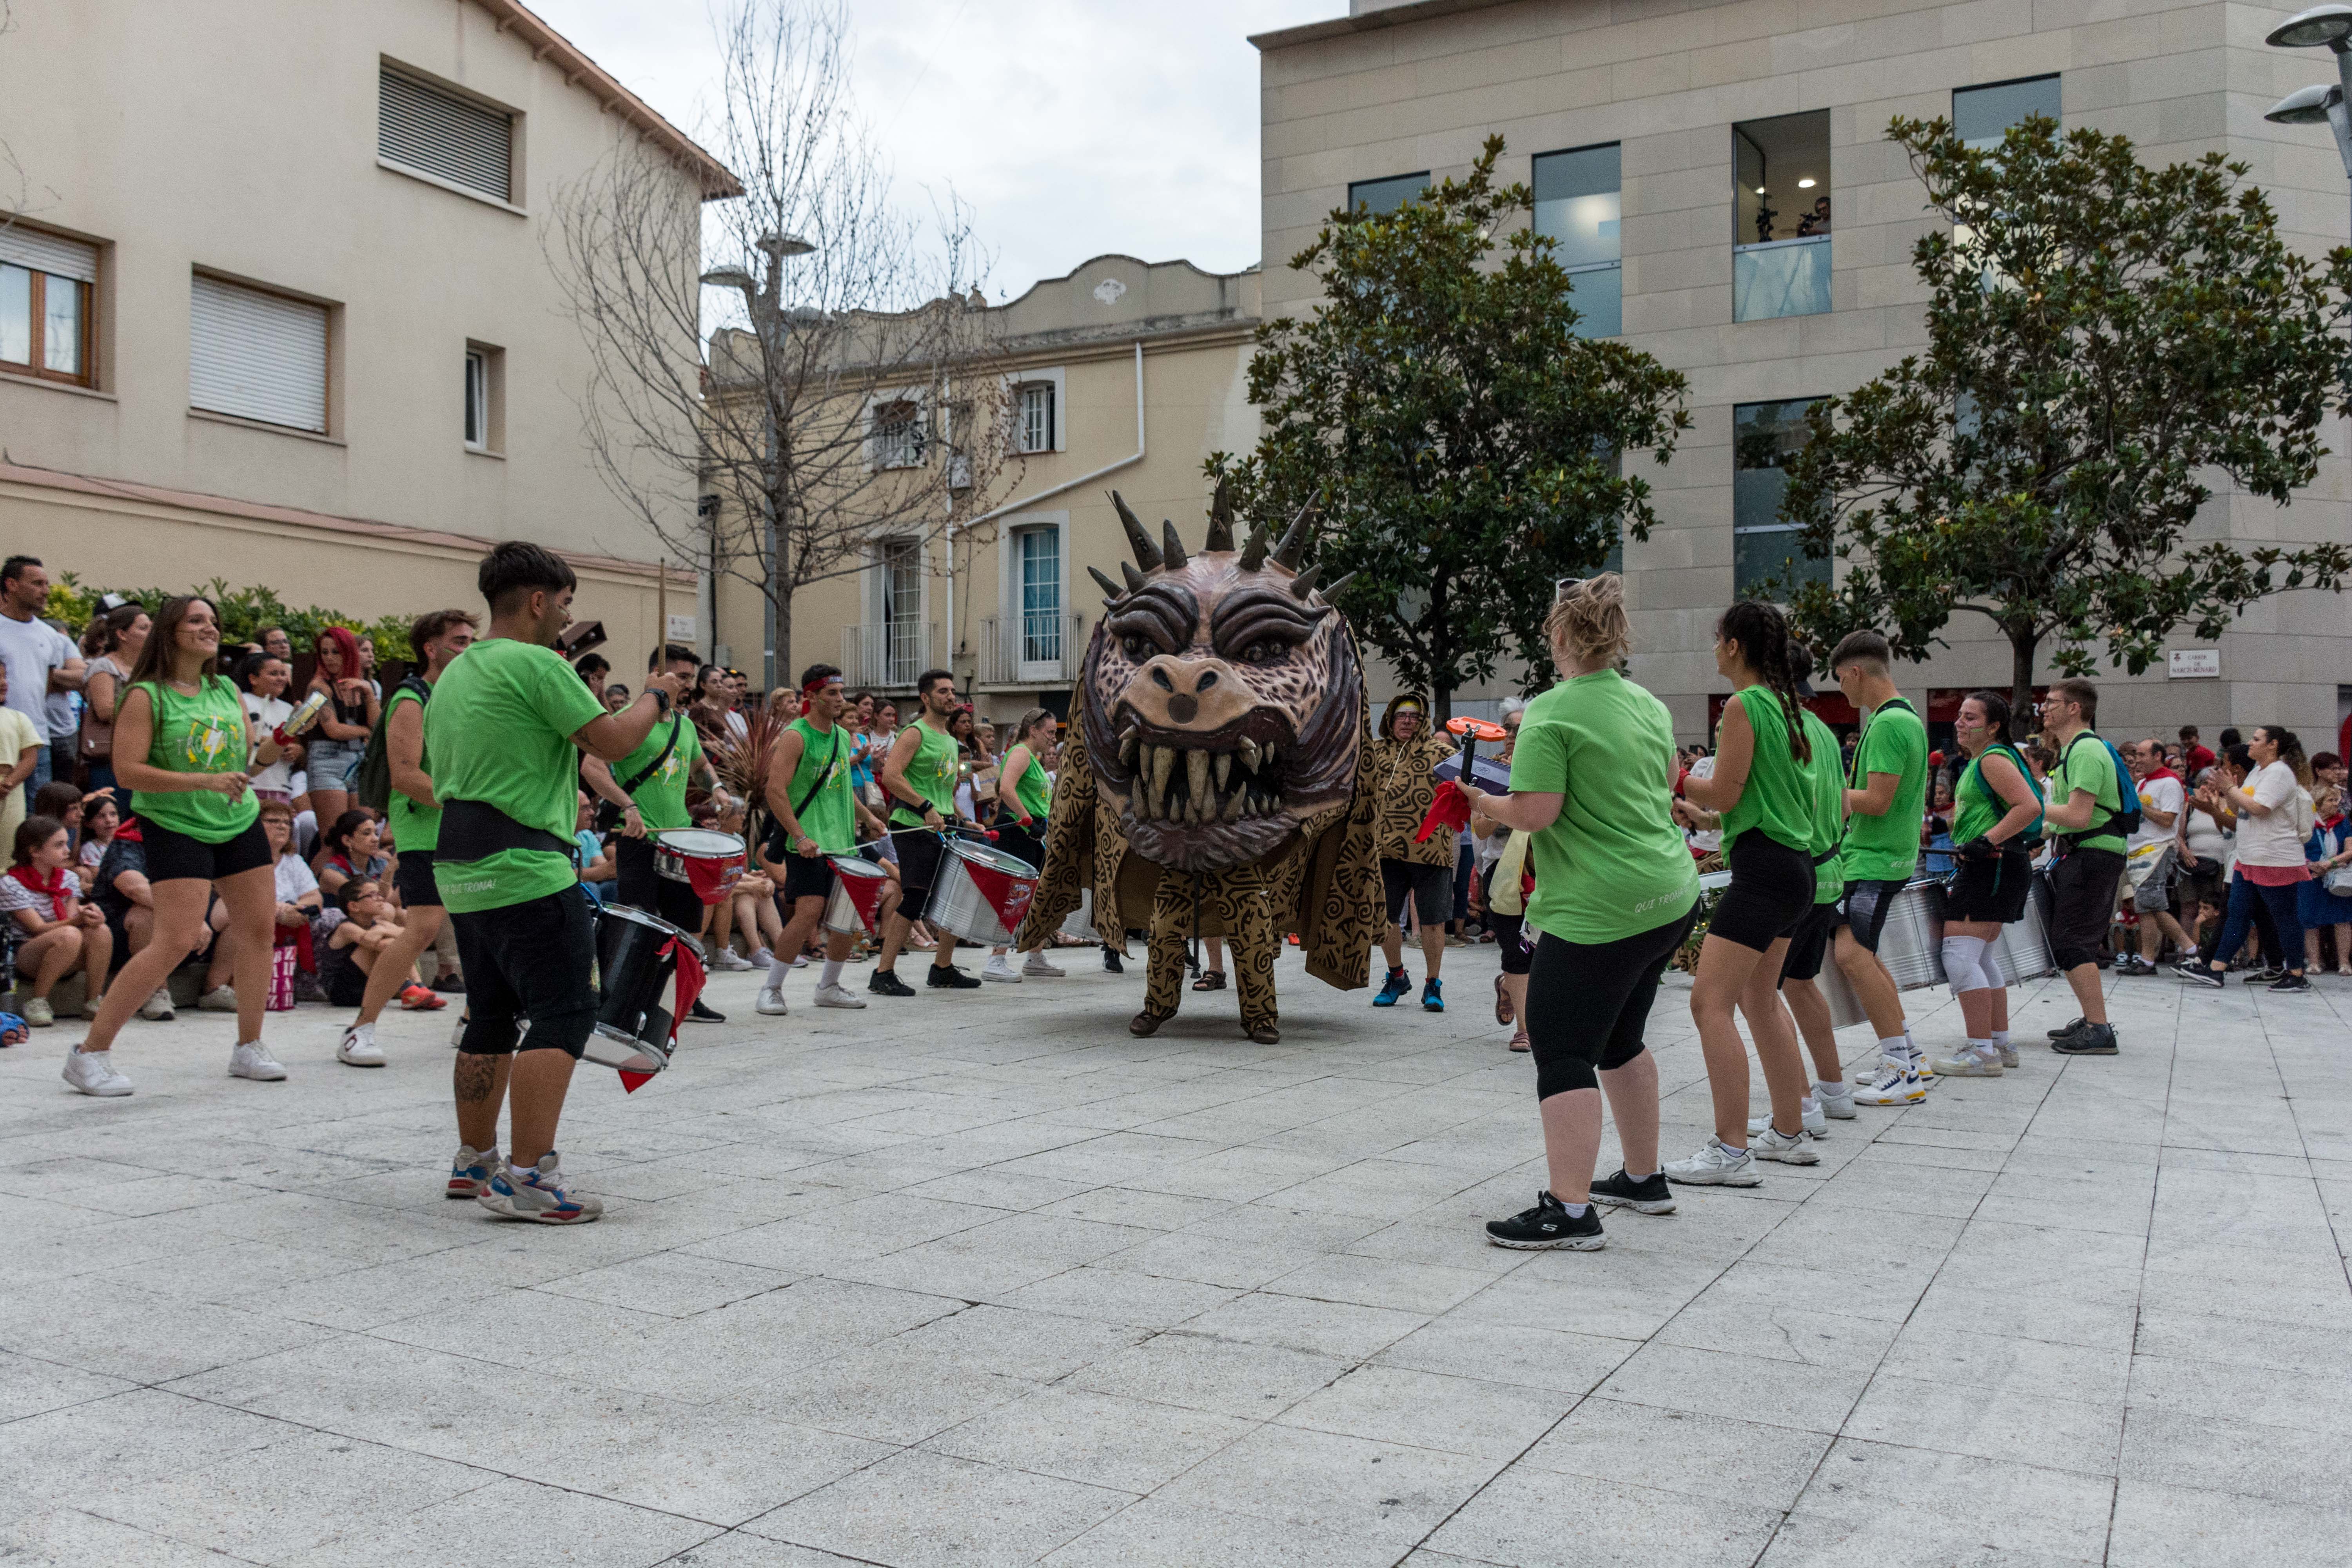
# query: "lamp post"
{"type": "Point", "coordinates": [763, 301]}
{"type": "Point", "coordinates": [2329, 27]}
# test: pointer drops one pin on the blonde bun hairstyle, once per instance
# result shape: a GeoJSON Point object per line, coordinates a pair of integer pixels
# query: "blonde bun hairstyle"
{"type": "Point", "coordinates": [1587, 622]}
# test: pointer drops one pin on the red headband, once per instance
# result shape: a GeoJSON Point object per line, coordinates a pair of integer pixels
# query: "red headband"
{"type": "Point", "coordinates": [819, 684]}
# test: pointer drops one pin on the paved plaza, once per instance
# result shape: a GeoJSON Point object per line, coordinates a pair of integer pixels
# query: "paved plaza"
{"type": "Point", "coordinates": [968, 1281]}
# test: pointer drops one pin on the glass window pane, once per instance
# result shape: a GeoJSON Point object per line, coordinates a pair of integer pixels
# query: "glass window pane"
{"type": "Point", "coordinates": [1579, 205]}
{"type": "Point", "coordinates": [1780, 173]}
{"type": "Point", "coordinates": [476, 409]}
{"type": "Point", "coordinates": [1980, 115]}
{"type": "Point", "coordinates": [15, 315]}
{"type": "Point", "coordinates": [1758, 557]}
{"type": "Point", "coordinates": [1387, 195]}
{"type": "Point", "coordinates": [1791, 278]}
{"type": "Point", "coordinates": [60, 325]}
{"type": "Point", "coordinates": [1600, 300]}
{"type": "Point", "coordinates": [1041, 595]}
{"type": "Point", "coordinates": [1765, 437]}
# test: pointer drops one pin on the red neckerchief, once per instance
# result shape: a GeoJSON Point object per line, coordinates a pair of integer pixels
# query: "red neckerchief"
{"type": "Point", "coordinates": [129, 833]}
{"type": "Point", "coordinates": [59, 900]}
{"type": "Point", "coordinates": [2160, 773]}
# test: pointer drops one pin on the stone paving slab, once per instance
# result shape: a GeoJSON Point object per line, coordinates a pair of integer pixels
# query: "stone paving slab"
{"type": "Point", "coordinates": [980, 1279]}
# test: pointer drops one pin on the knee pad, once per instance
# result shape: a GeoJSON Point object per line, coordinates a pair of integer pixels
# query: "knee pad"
{"type": "Point", "coordinates": [1557, 1072]}
{"type": "Point", "coordinates": [1963, 968]}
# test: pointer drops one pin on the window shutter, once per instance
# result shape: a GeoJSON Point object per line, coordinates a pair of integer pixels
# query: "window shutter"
{"type": "Point", "coordinates": [442, 134]}
{"type": "Point", "coordinates": [258, 357]}
{"type": "Point", "coordinates": [22, 247]}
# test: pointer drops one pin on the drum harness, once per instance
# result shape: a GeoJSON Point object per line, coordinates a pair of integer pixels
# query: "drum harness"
{"type": "Point", "coordinates": [608, 815]}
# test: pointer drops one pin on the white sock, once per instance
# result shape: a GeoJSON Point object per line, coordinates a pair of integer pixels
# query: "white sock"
{"type": "Point", "coordinates": [777, 969]}
{"type": "Point", "coordinates": [1576, 1211]}
{"type": "Point", "coordinates": [1828, 1090]}
{"type": "Point", "coordinates": [1894, 1048]}
{"type": "Point", "coordinates": [1808, 1103]}
{"type": "Point", "coordinates": [1980, 1048]}
{"type": "Point", "coordinates": [831, 974]}
{"type": "Point", "coordinates": [2000, 1038]}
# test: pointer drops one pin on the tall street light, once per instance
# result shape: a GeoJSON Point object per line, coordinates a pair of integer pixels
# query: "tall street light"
{"type": "Point", "coordinates": [2322, 26]}
{"type": "Point", "coordinates": [763, 301]}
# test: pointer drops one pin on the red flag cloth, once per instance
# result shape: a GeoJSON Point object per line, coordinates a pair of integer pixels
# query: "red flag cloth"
{"type": "Point", "coordinates": [1449, 807]}
{"type": "Point", "coordinates": [691, 976]}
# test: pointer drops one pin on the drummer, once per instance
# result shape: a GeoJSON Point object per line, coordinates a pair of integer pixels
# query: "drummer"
{"type": "Point", "coordinates": [920, 776]}
{"type": "Point", "coordinates": [1023, 797]}
{"type": "Point", "coordinates": [1996, 807]}
{"type": "Point", "coordinates": [1886, 803]}
{"type": "Point", "coordinates": [501, 729]}
{"type": "Point", "coordinates": [815, 814]}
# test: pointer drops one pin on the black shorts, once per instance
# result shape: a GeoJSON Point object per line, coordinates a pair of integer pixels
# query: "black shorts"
{"type": "Point", "coordinates": [918, 867]}
{"type": "Point", "coordinates": [176, 858]}
{"type": "Point", "coordinates": [1809, 943]}
{"type": "Point", "coordinates": [1431, 887]}
{"type": "Point", "coordinates": [1510, 935]}
{"type": "Point", "coordinates": [1771, 890]}
{"type": "Point", "coordinates": [1862, 909]}
{"type": "Point", "coordinates": [2081, 902]}
{"type": "Point", "coordinates": [412, 880]}
{"type": "Point", "coordinates": [805, 878]}
{"type": "Point", "coordinates": [535, 961]}
{"type": "Point", "coordinates": [1589, 1002]}
{"type": "Point", "coordinates": [1994, 890]}
{"type": "Point", "coordinates": [637, 882]}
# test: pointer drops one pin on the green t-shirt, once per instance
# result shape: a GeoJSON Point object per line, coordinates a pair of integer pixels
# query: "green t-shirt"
{"type": "Point", "coordinates": [499, 730]}
{"type": "Point", "coordinates": [1825, 776]}
{"type": "Point", "coordinates": [661, 799]}
{"type": "Point", "coordinates": [823, 781]}
{"type": "Point", "coordinates": [1975, 807]}
{"type": "Point", "coordinates": [932, 773]}
{"type": "Point", "coordinates": [1778, 799]}
{"type": "Point", "coordinates": [1034, 790]}
{"type": "Point", "coordinates": [1614, 864]}
{"type": "Point", "coordinates": [2086, 766]}
{"type": "Point", "coordinates": [1886, 848]}
{"type": "Point", "coordinates": [413, 827]}
{"type": "Point", "coordinates": [199, 735]}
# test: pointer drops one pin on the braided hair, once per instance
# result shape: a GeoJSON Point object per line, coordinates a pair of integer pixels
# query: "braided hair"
{"type": "Point", "coordinates": [1762, 633]}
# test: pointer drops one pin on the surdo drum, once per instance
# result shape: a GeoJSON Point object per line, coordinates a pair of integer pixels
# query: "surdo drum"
{"type": "Point", "coordinates": [637, 960]}
{"type": "Point", "coordinates": [983, 892]}
{"type": "Point", "coordinates": [708, 861]}
{"type": "Point", "coordinates": [1911, 946]}
{"type": "Point", "coordinates": [856, 902]}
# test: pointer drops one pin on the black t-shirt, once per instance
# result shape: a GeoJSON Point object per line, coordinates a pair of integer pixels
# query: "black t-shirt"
{"type": "Point", "coordinates": [121, 855]}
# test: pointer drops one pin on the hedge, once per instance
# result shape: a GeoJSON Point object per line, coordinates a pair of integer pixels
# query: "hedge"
{"type": "Point", "coordinates": [245, 613]}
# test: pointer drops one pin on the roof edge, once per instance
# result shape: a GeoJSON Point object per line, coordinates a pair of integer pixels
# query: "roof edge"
{"type": "Point", "coordinates": [1122, 256]}
{"type": "Point", "coordinates": [1387, 16]}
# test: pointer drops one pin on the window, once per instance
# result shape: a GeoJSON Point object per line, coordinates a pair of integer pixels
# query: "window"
{"type": "Point", "coordinates": [478, 400]}
{"type": "Point", "coordinates": [1765, 437]}
{"type": "Point", "coordinates": [1980, 115]}
{"type": "Point", "coordinates": [1781, 217]}
{"type": "Point", "coordinates": [46, 288]}
{"type": "Point", "coordinates": [1578, 208]}
{"type": "Point", "coordinates": [895, 432]}
{"type": "Point", "coordinates": [1037, 416]}
{"type": "Point", "coordinates": [1038, 557]}
{"type": "Point", "coordinates": [904, 647]}
{"type": "Point", "coordinates": [426, 130]}
{"type": "Point", "coordinates": [257, 355]}
{"type": "Point", "coordinates": [1387, 195]}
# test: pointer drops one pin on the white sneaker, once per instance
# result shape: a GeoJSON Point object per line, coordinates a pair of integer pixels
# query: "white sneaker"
{"type": "Point", "coordinates": [1966, 1062]}
{"type": "Point", "coordinates": [839, 996]}
{"type": "Point", "coordinates": [252, 1059]}
{"type": "Point", "coordinates": [770, 1003]}
{"type": "Point", "coordinates": [1037, 968]}
{"type": "Point", "coordinates": [1892, 1084]}
{"type": "Point", "coordinates": [1790, 1149]}
{"type": "Point", "coordinates": [359, 1048]}
{"type": "Point", "coordinates": [761, 957]}
{"type": "Point", "coordinates": [1812, 1122]}
{"type": "Point", "coordinates": [92, 1072]}
{"type": "Point", "coordinates": [1836, 1103]}
{"type": "Point", "coordinates": [1716, 1166]}
{"type": "Point", "coordinates": [800, 961]}
{"type": "Point", "coordinates": [1000, 968]}
{"type": "Point", "coordinates": [157, 1009]}
{"type": "Point", "coordinates": [219, 999]}
{"type": "Point", "coordinates": [38, 1013]}
{"type": "Point", "coordinates": [729, 959]}
{"type": "Point", "coordinates": [2008, 1054]}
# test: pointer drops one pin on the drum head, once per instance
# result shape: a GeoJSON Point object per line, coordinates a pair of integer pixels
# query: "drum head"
{"type": "Point", "coordinates": [852, 865]}
{"type": "Point", "coordinates": [638, 917]}
{"type": "Point", "coordinates": [701, 843]}
{"type": "Point", "coordinates": [988, 854]}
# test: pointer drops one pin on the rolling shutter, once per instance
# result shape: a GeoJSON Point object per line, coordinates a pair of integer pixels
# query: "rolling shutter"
{"type": "Point", "coordinates": [258, 357]}
{"type": "Point", "coordinates": [22, 247]}
{"type": "Point", "coordinates": [441, 134]}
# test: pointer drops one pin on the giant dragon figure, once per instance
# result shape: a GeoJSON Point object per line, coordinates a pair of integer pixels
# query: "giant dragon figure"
{"type": "Point", "coordinates": [1208, 783]}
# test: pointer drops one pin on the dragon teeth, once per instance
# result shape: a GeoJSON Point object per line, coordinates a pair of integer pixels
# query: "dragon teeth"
{"type": "Point", "coordinates": [1250, 755]}
{"type": "Point", "coordinates": [1162, 758]}
{"type": "Point", "coordinates": [1127, 745]}
{"type": "Point", "coordinates": [1196, 774]}
{"type": "Point", "coordinates": [1224, 769]}
{"type": "Point", "coordinates": [1234, 804]}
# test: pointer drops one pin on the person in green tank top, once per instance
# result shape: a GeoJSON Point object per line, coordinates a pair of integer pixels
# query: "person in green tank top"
{"type": "Point", "coordinates": [1763, 788]}
{"type": "Point", "coordinates": [1023, 795]}
{"type": "Point", "coordinates": [1995, 805]}
{"type": "Point", "coordinates": [920, 777]}
{"type": "Point", "coordinates": [184, 746]}
{"type": "Point", "coordinates": [814, 812]}
{"type": "Point", "coordinates": [1830, 1095]}
{"type": "Point", "coordinates": [416, 816]}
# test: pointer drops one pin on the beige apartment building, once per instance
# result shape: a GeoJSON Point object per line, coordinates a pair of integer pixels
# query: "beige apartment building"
{"type": "Point", "coordinates": [1718, 177]}
{"type": "Point", "coordinates": [276, 305]}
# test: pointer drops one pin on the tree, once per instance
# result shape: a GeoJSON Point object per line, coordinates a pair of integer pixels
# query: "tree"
{"type": "Point", "coordinates": [852, 403]}
{"type": "Point", "coordinates": [2102, 337]}
{"type": "Point", "coordinates": [1458, 439]}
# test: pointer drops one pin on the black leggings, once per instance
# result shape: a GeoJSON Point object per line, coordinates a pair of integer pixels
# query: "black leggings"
{"type": "Point", "coordinates": [1588, 1003]}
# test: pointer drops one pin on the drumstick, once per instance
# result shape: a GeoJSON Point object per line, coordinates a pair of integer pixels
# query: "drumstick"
{"type": "Point", "coordinates": [661, 615]}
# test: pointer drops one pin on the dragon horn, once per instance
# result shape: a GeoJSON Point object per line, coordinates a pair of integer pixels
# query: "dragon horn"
{"type": "Point", "coordinates": [1113, 589]}
{"type": "Point", "coordinates": [1294, 538]}
{"type": "Point", "coordinates": [1303, 584]}
{"type": "Point", "coordinates": [1254, 552]}
{"type": "Point", "coordinates": [1147, 554]}
{"type": "Point", "coordinates": [1134, 578]}
{"type": "Point", "coordinates": [1220, 518]}
{"type": "Point", "coordinates": [1331, 594]}
{"type": "Point", "coordinates": [1172, 549]}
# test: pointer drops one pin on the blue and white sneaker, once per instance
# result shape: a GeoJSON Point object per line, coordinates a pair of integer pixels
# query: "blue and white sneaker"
{"type": "Point", "coordinates": [1432, 995]}
{"type": "Point", "coordinates": [471, 1172]}
{"type": "Point", "coordinates": [1394, 986]}
{"type": "Point", "coordinates": [537, 1193]}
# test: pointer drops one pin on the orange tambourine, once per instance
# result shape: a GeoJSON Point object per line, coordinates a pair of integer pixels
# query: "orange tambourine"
{"type": "Point", "coordinates": [1476, 730]}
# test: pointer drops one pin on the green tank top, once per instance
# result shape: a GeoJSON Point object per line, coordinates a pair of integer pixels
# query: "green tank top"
{"type": "Point", "coordinates": [1034, 790]}
{"type": "Point", "coordinates": [1827, 776]}
{"type": "Point", "coordinates": [413, 827]}
{"type": "Point", "coordinates": [823, 781]}
{"type": "Point", "coordinates": [199, 735]}
{"type": "Point", "coordinates": [932, 773]}
{"type": "Point", "coordinates": [1778, 799]}
{"type": "Point", "coordinates": [1976, 805]}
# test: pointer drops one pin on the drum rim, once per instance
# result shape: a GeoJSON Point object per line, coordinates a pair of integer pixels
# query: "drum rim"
{"type": "Point", "coordinates": [730, 843]}
{"type": "Point", "coordinates": [989, 856]}
{"type": "Point", "coordinates": [856, 866]}
{"type": "Point", "coordinates": [635, 916]}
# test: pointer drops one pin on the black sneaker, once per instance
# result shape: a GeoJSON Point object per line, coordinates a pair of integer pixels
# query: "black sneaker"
{"type": "Point", "coordinates": [1546, 1225]}
{"type": "Point", "coordinates": [950, 978]}
{"type": "Point", "coordinates": [2071, 1027]}
{"type": "Point", "coordinates": [886, 983]}
{"type": "Point", "coordinates": [1112, 966]}
{"type": "Point", "coordinates": [700, 1013]}
{"type": "Point", "coordinates": [453, 984]}
{"type": "Point", "coordinates": [2265, 974]}
{"type": "Point", "coordinates": [2134, 965]}
{"type": "Point", "coordinates": [2095, 1040]}
{"type": "Point", "coordinates": [2291, 983]}
{"type": "Point", "coordinates": [1651, 1196]}
{"type": "Point", "coordinates": [2197, 974]}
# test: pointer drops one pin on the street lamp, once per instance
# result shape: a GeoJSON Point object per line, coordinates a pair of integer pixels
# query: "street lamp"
{"type": "Point", "coordinates": [2328, 27]}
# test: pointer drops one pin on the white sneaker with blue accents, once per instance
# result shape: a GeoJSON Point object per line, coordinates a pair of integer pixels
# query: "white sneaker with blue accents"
{"type": "Point", "coordinates": [536, 1193]}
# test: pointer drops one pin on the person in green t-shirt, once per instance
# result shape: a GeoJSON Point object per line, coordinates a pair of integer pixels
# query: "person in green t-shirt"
{"type": "Point", "coordinates": [1025, 793]}
{"type": "Point", "coordinates": [2086, 795]}
{"type": "Point", "coordinates": [1763, 787]}
{"type": "Point", "coordinates": [182, 745]}
{"type": "Point", "coordinates": [815, 812]}
{"type": "Point", "coordinates": [1886, 804]}
{"type": "Point", "coordinates": [1593, 773]}
{"type": "Point", "coordinates": [416, 814]}
{"type": "Point", "coordinates": [1995, 804]}
{"type": "Point", "coordinates": [501, 730]}
{"type": "Point", "coordinates": [649, 785]}
{"type": "Point", "coordinates": [920, 777]}
{"type": "Point", "coordinates": [1830, 1095]}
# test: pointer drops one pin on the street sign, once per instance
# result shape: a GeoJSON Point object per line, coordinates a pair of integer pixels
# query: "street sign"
{"type": "Point", "coordinates": [681, 628]}
{"type": "Point", "coordinates": [2194, 664]}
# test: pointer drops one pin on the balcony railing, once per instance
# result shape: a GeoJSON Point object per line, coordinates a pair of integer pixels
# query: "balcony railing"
{"type": "Point", "coordinates": [1029, 649]}
{"type": "Point", "coordinates": [1780, 277]}
{"type": "Point", "coordinates": [886, 654]}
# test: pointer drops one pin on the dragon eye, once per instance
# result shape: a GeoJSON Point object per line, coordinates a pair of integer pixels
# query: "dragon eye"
{"type": "Point", "coordinates": [1136, 647]}
{"type": "Point", "coordinates": [1266, 650]}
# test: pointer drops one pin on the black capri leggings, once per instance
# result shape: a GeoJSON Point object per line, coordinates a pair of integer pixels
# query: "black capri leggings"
{"type": "Point", "coordinates": [1588, 1003]}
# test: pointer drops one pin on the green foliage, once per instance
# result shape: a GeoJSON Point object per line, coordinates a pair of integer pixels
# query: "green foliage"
{"type": "Point", "coordinates": [245, 613]}
{"type": "Point", "coordinates": [1459, 441]}
{"type": "Point", "coordinates": [2102, 338]}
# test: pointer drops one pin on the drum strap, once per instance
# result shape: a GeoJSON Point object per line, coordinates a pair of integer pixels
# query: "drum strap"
{"type": "Point", "coordinates": [475, 830]}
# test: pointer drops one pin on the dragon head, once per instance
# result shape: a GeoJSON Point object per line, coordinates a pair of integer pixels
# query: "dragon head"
{"type": "Point", "coordinates": [1222, 696]}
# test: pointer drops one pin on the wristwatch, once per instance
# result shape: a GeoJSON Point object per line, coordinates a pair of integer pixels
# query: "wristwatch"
{"type": "Point", "coordinates": [661, 701]}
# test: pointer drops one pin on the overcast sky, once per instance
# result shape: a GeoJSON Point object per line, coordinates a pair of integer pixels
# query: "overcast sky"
{"type": "Point", "coordinates": [1071, 127]}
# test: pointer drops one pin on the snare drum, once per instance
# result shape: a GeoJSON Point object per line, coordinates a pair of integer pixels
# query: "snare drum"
{"type": "Point", "coordinates": [634, 965]}
{"type": "Point", "coordinates": [856, 902]}
{"type": "Point", "coordinates": [982, 892]}
{"type": "Point", "coordinates": [2022, 952]}
{"type": "Point", "coordinates": [1911, 942]}
{"type": "Point", "coordinates": [709, 862]}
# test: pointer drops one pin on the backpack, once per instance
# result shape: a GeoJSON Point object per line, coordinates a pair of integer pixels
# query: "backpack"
{"type": "Point", "coordinates": [372, 780]}
{"type": "Point", "coordinates": [2031, 839]}
{"type": "Point", "coordinates": [2125, 820]}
